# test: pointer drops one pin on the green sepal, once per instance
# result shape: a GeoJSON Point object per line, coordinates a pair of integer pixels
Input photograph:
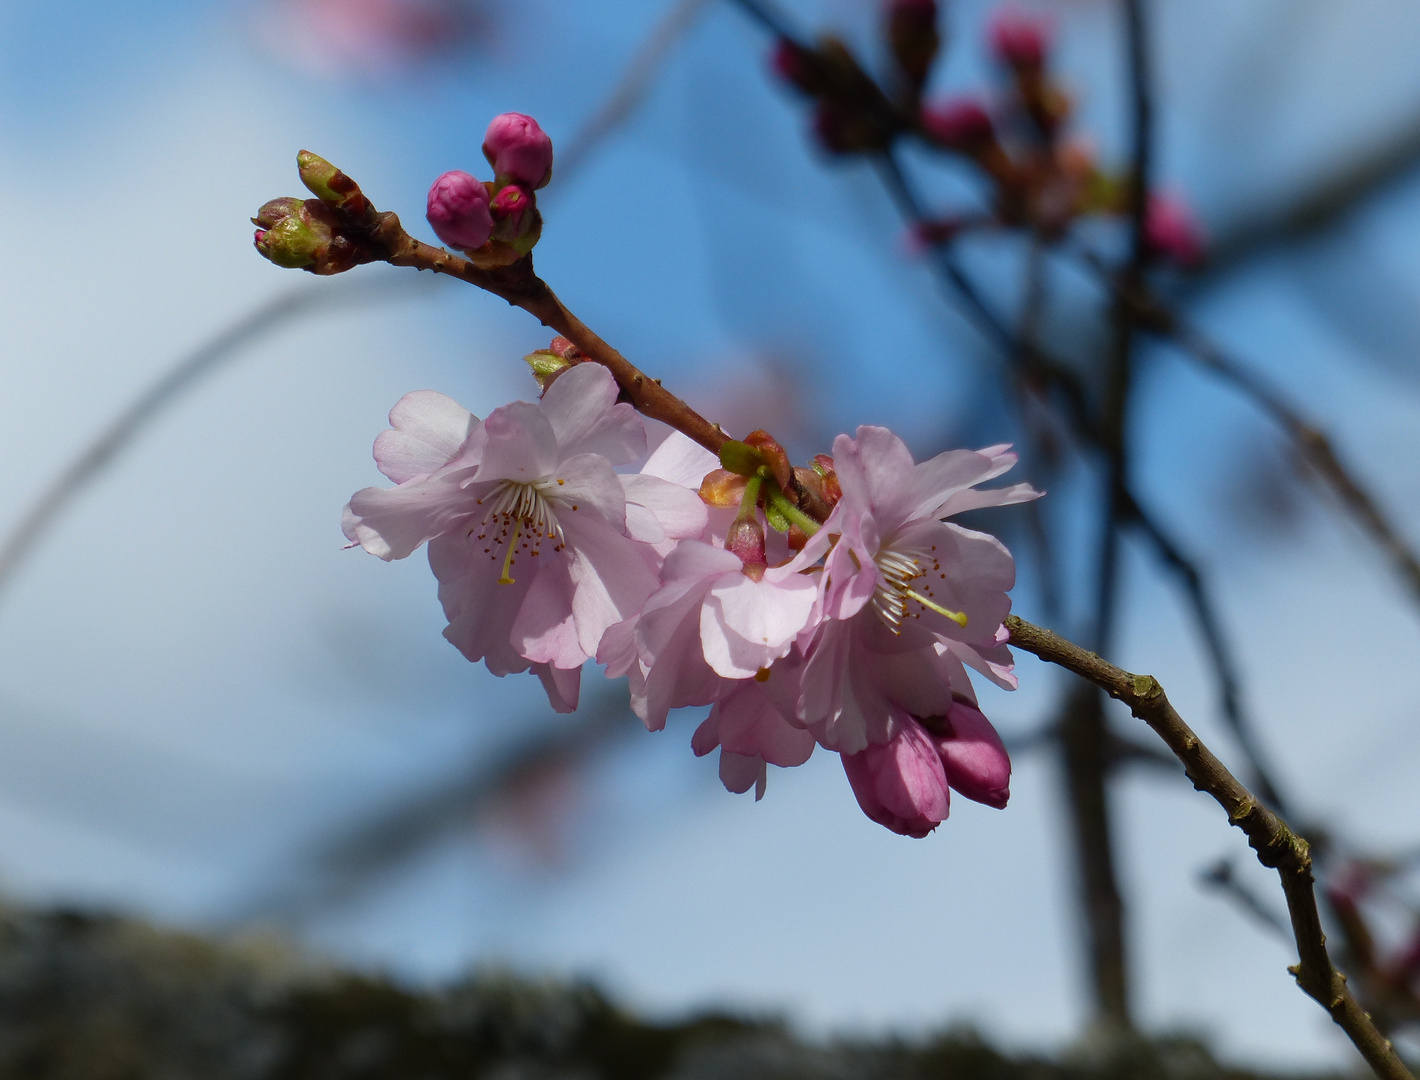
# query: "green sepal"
{"type": "Point", "coordinates": [740, 458]}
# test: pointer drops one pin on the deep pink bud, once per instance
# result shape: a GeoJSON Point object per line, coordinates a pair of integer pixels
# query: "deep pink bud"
{"type": "Point", "coordinates": [511, 204]}
{"type": "Point", "coordinates": [746, 540]}
{"type": "Point", "coordinates": [1019, 38]}
{"type": "Point", "coordinates": [973, 756]}
{"type": "Point", "coordinates": [900, 784]}
{"type": "Point", "coordinates": [1170, 230]}
{"type": "Point", "coordinates": [792, 64]}
{"type": "Point", "coordinates": [458, 210]}
{"type": "Point", "coordinates": [959, 124]}
{"type": "Point", "coordinates": [519, 150]}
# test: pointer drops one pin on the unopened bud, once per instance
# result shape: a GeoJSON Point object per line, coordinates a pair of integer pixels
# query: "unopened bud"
{"type": "Point", "coordinates": [973, 756]}
{"type": "Point", "coordinates": [722, 488]}
{"type": "Point", "coordinates": [519, 150]}
{"type": "Point", "coordinates": [746, 540]}
{"type": "Point", "coordinates": [960, 124]}
{"type": "Point", "coordinates": [547, 365]}
{"type": "Point", "coordinates": [305, 235]}
{"type": "Point", "coordinates": [564, 348]}
{"type": "Point", "coordinates": [511, 209]}
{"type": "Point", "coordinates": [823, 466]}
{"type": "Point", "coordinates": [1171, 231]}
{"type": "Point", "coordinates": [1019, 39]}
{"type": "Point", "coordinates": [331, 186]}
{"type": "Point", "coordinates": [913, 38]}
{"type": "Point", "coordinates": [458, 210]}
{"type": "Point", "coordinates": [798, 66]}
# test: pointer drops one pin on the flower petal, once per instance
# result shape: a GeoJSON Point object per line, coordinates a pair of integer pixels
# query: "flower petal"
{"type": "Point", "coordinates": [426, 431]}
{"type": "Point", "coordinates": [681, 460]}
{"type": "Point", "coordinates": [677, 512]}
{"type": "Point", "coordinates": [746, 625]}
{"type": "Point", "coordinates": [392, 522]}
{"type": "Point", "coordinates": [545, 630]}
{"type": "Point", "coordinates": [563, 686]}
{"type": "Point", "coordinates": [520, 444]}
{"type": "Point", "coordinates": [480, 611]}
{"type": "Point", "coordinates": [582, 409]}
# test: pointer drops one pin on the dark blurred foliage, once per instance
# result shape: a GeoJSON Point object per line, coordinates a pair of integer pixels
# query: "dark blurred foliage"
{"type": "Point", "coordinates": [94, 997]}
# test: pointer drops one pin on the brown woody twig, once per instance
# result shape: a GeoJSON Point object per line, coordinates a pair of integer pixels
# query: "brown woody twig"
{"type": "Point", "coordinates": [1276, 845]}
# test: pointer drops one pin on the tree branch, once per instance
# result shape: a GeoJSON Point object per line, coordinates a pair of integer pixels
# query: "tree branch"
{"type": "Point", "coordinates": [1276, 845]}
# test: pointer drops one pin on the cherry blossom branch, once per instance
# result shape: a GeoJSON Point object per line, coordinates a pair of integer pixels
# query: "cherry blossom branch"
{"type": "Point", "coordinates": [520, 286]}
{"type": "Point", "coordinates": [1276, 845]}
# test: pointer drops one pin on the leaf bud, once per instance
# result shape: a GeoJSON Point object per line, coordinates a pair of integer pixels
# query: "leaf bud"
{"type": "Point", "coordinates": [331, 186]}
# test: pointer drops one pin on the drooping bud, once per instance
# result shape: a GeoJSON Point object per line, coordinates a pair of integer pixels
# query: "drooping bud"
{"type": "Point", "coordinates": [900, 784]}
{"type": "Point", "coordinates": [1019, 39]}
{"type": "Point", "coordinates": [974, 758]}
{"type": "Point", "coordinates": [746, 540]}
{"type": "Point", "coordinates": [331, 186]}
{"type": "Point", "coordinates": [458, 210]}
{"type": "Point", "coordinates": [519, 150]}
{"type": "Point", "coordinates": [913, 38]}
{"type": "Point", "coordinates": [960, 124]}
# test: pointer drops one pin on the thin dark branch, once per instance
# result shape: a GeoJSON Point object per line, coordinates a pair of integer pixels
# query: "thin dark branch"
{"type": "Point", "coordinates": [769, 17]}
{"type": "Point", "coordinates": [1277, 846]}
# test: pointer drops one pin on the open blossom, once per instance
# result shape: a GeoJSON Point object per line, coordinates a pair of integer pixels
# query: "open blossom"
{"type": "Point", "coordinates": [524, 516]}
{"type": "Point", "coordinates": [908, 598]}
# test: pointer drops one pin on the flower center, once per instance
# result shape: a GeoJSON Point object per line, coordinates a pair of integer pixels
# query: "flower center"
{"type": "Point", "coordinates": [520, 517]}
{"type": "Point", "coordinates": [904, 577]}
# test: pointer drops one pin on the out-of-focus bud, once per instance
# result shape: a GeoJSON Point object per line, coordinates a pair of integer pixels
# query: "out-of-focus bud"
{"type": "Point", "coordinates": [458, 210]}
{"type": "Point", "coordinates": [846, 129]}
{"type": "Point", "coordinates": [799, 67]}
{"type": "Point", "coordinates": [925, 235]}
{"type": "Point", "coordinates": [960, 124]}
{"type": "Point", "coordinates": [519, 150]}
{"type": "Point", "coordinates": [746, 540]}
{"type": "Point", "coordinates": [913, 38]}
{"type": "Point", "coordinates": [901, 784]}
{"type": "Point", "coordinates": [512, 212]}
{"type": "Point", "coordinates": [305, 235]}
{"type": "Point", "coordinates": [1019, 39]}
{"type": "Point", "coordinates": [1171, 231]}
{"type": "Point", "coordinates": [331, 186]}
{"type": "Point", "coordinates": [973, 756]}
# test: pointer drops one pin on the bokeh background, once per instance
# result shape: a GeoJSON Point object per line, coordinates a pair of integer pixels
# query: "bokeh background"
{"type": "Point", "coordinates": [213, 716]}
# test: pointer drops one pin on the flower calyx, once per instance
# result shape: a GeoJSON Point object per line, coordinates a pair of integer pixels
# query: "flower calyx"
{"type": "Point", "coordinates": [307, 234]}
{"type": "Point", "coordinates": [547, 364]}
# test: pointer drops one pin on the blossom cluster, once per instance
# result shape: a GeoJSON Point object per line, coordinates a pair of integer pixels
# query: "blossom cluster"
{"type": "Point", "coordinates": [706, 582]}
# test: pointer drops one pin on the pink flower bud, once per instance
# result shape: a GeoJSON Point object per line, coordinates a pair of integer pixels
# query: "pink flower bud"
{"type": "Point", "coordinates": [1019, 38]}
{"type": "Point", "coordinates": [511, 204]}
{"type": "Point", "coordinates": [793, 64]}
{"type": "Point", "coordinates": [519, 150]}
{"type": "Point", "coordinates": [746, 540]}
{"type": "Point", "coordinates": [973, 756]}
{"type": "Point", "coordinates": [458, 210]}
{"type": "Point", "coordinates": [901, 784]}
{"type": "Point", "coordinates": [959, 124]}
{"type": "Point", "coordinates": [1170, 230]}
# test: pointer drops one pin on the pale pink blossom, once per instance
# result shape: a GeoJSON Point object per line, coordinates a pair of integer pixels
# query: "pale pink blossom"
{"type": "Point", "coordinates": [525, 520]}
{"type": "Point", "coordinates": [907, 597]}
{"type": "Point", "coordinates": [754, 726]}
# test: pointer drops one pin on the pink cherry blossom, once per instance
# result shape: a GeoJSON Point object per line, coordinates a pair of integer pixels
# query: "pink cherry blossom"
{"type": "Point", "coordinates": [754, 726]}
{"type": "Point", "coordinates": [525, 520]}
{"type": "Point", "coordinates": [907, 597]}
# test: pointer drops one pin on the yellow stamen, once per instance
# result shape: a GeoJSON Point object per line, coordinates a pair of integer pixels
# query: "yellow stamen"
{"type": "Point", "coordinates": [507, 578]}
{"type": "Point", "coordinates": [958, 617]}
{"type": "Point", "coordinates": [762, 675]}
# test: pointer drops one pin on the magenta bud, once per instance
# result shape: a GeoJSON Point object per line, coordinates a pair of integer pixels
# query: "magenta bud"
{"type": "Point", "coordinates": [511, 204]}
{"type": "Point", "coordinates": [1171, 231]}
{"type": "Point", "coordinates": [961, 124]}
{"type": "Point", "coordinates": [901, 784]}
{"type": "Point", "coordinates": [793, 64]}
{"type": "Point", "coordinates": [973, 757]}
{"type": "Point", "coordinates": [1018, 38]}
{"type": "Point", "coordinates": [746, 540]}
{"type": "Point", "coordinates": [519, 150]}
{"type": "Point", "coordinates": [458, 210]}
